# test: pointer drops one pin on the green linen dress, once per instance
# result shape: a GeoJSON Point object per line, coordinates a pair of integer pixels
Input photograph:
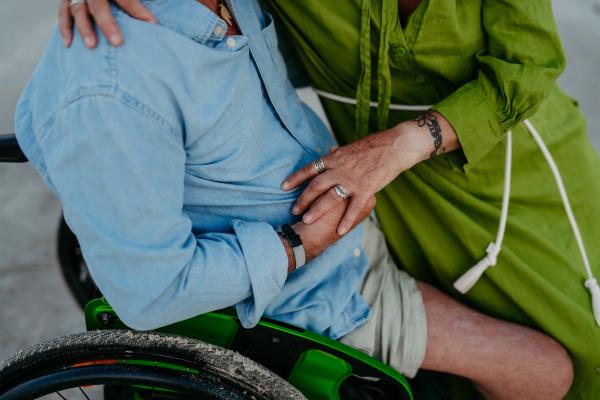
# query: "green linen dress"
{"type": "Point", "coordinates": [486, 66]}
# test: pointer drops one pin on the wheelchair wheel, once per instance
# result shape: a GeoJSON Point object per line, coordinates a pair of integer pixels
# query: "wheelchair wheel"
{"type": "Point", "coordinates": [127, 365]}
{"type": "Point", "coordinates": [73, 266]}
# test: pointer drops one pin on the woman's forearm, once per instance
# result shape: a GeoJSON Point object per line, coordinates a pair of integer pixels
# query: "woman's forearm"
{"type": "Point", "coordinates": [428, 135]}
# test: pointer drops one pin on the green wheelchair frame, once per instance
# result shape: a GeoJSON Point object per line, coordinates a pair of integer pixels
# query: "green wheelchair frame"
{"type": "Point", "coordinates": [319, 367]}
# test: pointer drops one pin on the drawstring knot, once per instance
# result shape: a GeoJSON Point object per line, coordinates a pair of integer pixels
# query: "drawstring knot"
{"type": "Point", "coordinates": [492, 253]}
{"type": "Point", "coordinates": [466, 282]}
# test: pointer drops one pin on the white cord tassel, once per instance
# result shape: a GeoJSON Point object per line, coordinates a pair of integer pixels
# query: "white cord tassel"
{"type": "Point", "coordinates": [470, 278]}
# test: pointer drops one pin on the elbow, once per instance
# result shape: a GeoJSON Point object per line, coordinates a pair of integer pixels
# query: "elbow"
{"type": "Point", "coordinates": [139, 320]}
{"type": "Point", "coordinates": [138, 316]}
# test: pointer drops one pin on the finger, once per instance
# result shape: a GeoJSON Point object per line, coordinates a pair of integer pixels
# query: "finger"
{"type": "Point", "coordinates": [321, 206]}
{"type": "Point", "coordinates": [136, 10]}
{"type": "Point", "coordinates": [84, 25]}
{"type": "Point", "coordinates": [102, 14]}
{"type": "Point", "coordinates": [352, 213]}
{"type": "Point", "coordinates": [305, 173]}
{"type": "Point", "coordinates": [318, 186]}
{"type": "Point", "coordinates": [65, 22]}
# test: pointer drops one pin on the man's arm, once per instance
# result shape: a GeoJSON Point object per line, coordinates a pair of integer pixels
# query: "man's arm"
{"type": "Point", "coordinates": [120, 176]}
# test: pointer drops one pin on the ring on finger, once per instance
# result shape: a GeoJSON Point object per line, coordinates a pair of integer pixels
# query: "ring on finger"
{"type": "Point", "coordinates": [319, 166]}
{"type": "Point", "coordinates": [341, 191]}
{"type": "Point", "coordinates": [73, 2]}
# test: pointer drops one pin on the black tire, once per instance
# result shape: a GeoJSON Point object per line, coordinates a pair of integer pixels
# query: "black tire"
{"type": "Point", "coordinates": [73, 266]}
{"type": "Point", "coordinates": [222, 374]}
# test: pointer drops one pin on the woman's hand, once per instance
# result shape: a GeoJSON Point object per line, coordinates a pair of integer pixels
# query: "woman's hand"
{"type": "Point", "coordinates": [367, 165]}
{"type": "Point", "coordinates": [99, 11]}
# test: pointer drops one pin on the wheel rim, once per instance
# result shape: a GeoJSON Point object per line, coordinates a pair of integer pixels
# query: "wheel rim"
{"type": "Point", "coordinates": [188, 384]}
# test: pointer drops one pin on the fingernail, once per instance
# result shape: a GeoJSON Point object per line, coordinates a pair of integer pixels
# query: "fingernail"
{"type": "Point", "coordinates": [153, 21]}
{"type": "Point", "coordinates": [307, 218]}
{"type": "Point", "coordinates": [295, 210]}
{"type": "Point", "coordinates": [285, 185]}
{"type": "Point", "coordinates": [65, 42]}
{"type": "Point", "coordinates": [89, 42]}
{"type": "Point", "coordinates": [115, 40]}
{"type": "Point", "coordinates": [342, 230]}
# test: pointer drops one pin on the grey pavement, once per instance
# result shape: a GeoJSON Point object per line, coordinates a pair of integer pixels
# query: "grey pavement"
{"type": "Point", "coordinates": [34, 302]}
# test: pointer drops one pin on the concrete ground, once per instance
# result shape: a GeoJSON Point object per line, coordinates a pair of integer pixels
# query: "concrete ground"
{"type": "Point", "coordinates": [35, 302]}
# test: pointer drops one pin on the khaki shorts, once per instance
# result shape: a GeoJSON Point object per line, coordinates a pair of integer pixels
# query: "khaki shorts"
{"type": "Point", "coordinates": [396, 332]}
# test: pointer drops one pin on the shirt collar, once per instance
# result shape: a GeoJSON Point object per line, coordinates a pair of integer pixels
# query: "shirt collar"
{"type": "Point", "coordinates": [189, 18]}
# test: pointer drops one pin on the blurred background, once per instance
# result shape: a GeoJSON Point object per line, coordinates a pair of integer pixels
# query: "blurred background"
{"type": "Point", "coordinates": [35, 304]}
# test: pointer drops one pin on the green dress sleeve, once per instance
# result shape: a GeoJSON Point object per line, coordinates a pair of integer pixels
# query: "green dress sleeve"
{"type": "Point", "coordinates": [517, 70]}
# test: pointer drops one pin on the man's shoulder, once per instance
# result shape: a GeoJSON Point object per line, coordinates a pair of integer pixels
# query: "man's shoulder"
{"type": "Point", "coordinates": [142, 68]}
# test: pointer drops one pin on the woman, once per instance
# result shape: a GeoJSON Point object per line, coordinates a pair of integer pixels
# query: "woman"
{"type": "Point", "coordinates": [484, 68]}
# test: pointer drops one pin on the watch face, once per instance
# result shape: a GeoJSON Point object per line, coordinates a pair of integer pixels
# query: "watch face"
{"type": "Point", "coordinates": [288, 233]}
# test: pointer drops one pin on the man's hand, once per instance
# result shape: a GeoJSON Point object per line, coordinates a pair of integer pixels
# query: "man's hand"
{"type": "Point", "coordinates": [321, 234]}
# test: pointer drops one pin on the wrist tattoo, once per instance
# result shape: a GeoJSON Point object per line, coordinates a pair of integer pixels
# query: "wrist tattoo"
{"type": "Point", "coordinates": [431, 121]}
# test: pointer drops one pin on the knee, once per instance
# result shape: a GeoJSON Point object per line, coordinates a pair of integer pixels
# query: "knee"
{"type": "Point", "coordinates": [557, 369]}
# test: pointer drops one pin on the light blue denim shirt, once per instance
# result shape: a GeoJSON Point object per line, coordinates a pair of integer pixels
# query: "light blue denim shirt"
{"type": "Point", "coordinates": [168, 154]}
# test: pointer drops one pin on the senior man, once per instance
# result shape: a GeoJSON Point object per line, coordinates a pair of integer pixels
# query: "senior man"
{"type": "Point", "coordinates": [168, 154]}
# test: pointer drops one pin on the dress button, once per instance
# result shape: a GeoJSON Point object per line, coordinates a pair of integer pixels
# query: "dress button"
{"type": "Point", "coordinates": [420, 79]}
{"type": "Point", "coordinates": [218, 30]}
{"type": "Point", "coordinates": [401, 51]}
{"type": "Point", "coordinates": [230, 42]}
{"type": "Point", "coordinates": [319, 150]}
{"type": "Point", "coordinates": [356, 252]}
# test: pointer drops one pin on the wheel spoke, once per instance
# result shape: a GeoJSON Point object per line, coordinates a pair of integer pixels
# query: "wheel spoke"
{"type": "Point", "coordinates": [84, 393]}
{"type": "Point", "coordinates": [61, 396]}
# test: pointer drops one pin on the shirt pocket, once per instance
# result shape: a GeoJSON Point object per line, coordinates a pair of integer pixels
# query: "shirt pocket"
{"type": "Point", "coordinates": [270, 36]}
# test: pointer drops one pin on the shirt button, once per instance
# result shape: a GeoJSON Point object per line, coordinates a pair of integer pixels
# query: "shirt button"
{"type": "Point", "coordinates": [356, 252]}
{"type": "Point", "coordinates": [230, 42]}
{"type": "Point", "coordinates": [319, 150]}
{"type": "Point", "coordinates": [420, 79]}
{"type": "Point", "coordinates": [217, 31]}
{"type": "Point", "coordinates": [401, 51]}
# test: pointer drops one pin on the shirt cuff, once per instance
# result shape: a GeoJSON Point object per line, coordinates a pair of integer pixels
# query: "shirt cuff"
{"type": "Point", "coordinates": [267, 263]}
{"type": "Point", "coordinates": [474, 121]}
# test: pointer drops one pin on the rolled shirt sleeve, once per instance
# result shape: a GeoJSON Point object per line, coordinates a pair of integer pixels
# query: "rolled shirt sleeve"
{"type": "Point", "coordinates": [517, 71]}
{"type": "Point", "coordinates": [264, 258]}
{"type": "Point", "coordinates": [120, 175]}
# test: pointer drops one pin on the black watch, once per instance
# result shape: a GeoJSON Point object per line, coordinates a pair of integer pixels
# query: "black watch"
{"type": "Point", "coordinates": [293, 238]}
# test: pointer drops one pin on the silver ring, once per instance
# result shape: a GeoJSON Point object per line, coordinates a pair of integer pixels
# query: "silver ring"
{"type": "Point", "coordinates": [341, 191]}
{"type": "Point", "coordinates": [318, 163]}
{"type": "Point", "coordinates": [73, 2]}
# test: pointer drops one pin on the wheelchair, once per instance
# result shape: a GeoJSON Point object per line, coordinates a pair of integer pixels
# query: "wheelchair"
{"type": "Point", "coordinates": [210, 356]}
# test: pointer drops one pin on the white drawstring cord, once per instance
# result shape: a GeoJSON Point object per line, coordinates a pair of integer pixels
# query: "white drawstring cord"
{"type": "Point", "coordinates": [591, 284]}
{"type": "Point", "coordinates": [347, 100]}
{"type": "Point", "coordinates": [466, 282]}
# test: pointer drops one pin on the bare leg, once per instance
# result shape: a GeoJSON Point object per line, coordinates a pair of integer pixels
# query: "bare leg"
{"type": "Point", "coordinates": [504, 360]}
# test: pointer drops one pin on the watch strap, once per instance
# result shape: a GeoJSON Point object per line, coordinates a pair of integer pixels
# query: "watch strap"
{"type": "Point", "coordinates": [295, 242]}
{"type": "Point", "coordinates": [300, 256]}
